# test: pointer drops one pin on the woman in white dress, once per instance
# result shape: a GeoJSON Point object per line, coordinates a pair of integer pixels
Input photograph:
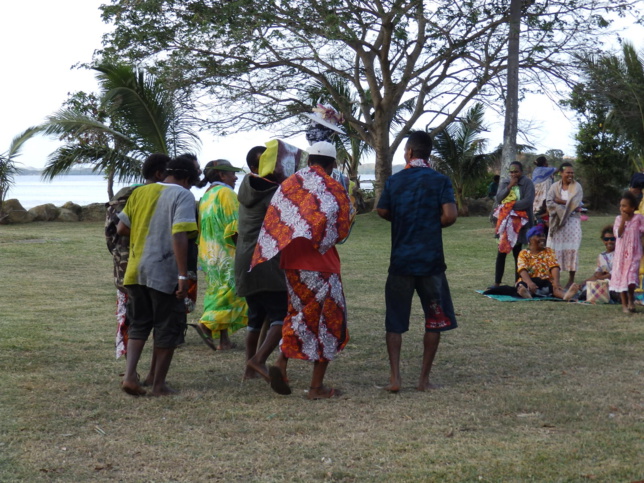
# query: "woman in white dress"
{"type": "Point", "coordinates": [564, 203]}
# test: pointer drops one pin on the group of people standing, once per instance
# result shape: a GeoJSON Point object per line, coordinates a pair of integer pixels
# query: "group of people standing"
{"type": "Point", "coordinates": [553, 243]}
{"type": "Point", "coordinates": [269, 257]}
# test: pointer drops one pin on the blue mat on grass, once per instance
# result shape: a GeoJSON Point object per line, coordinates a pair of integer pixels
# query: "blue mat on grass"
{"type": "Point", "coordinates": [509, 298]}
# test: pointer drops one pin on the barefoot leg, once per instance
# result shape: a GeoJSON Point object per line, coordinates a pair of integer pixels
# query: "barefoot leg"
{"type": "Point", "coordinates": [130, 382]}
{"type": "Point", "coordinates": [163, 360]}
{"type": "Point", "coordinates": [317, 389]}
{"type": "Point", "coordinates": [631, 298]}
{"type": "Point", "coordinates": [149, 379]}
{"type": "Point", "coordinates": [394, 343]}
{"type": "Point", "coordinates": [252, 339]}
{"type": "Point", "coordinates": [430, 346]}
{"type": "Point", "coordinates": [257, 363]}
{"type": "Point", "coordinates": [224, 341]}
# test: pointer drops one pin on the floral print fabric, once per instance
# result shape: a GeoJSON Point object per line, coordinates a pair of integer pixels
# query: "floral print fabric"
{"type": "Point", "coordinates": [628, 252]}
{"type": "Point", "coordinates": [223, 309]}
{"type": "Point", "coordinates": [315, 328]}
{"type": "Point", "coordinates": [537, 265]}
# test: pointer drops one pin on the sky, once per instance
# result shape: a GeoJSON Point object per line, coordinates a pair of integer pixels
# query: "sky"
{"type": "Point", "coordinates": [42, 39]}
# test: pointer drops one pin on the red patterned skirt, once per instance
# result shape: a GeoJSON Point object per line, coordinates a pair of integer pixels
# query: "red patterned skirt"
{"type": "Point", "coordinates": [315, 328]}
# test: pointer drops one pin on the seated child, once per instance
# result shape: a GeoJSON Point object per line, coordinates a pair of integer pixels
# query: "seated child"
{"type": "Point", "coordinates": [604, 262]}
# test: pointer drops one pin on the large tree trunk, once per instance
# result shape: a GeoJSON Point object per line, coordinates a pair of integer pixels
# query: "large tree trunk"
{"type": "Point", "coordinates": [512, 97]}
{"type": "Point", "coordinates": [384, 156]}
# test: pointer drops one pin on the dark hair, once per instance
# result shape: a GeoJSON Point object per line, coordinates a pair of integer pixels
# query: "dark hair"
{"type": "Point", "coordinates": [210, 174]}
{"type": "Point", "coordinates": [189, 156]}
{"type": "Point", "coordinates": [420, 143]}
{"type": "Point", "coordinates": [541, 161]}
{"type": "Point", "coordinates": [154, 163]}
{"type": "Point", "coordinates": [632, 199]}
{"type": "Point", "coordinates": [564, 166]}
{"type": "Point", "coordinates": [183, 168]}
{"type": "Point", "coordinates": [252, 158]}
{"type": "Point", "coordinates": [606, 229]}
{"type": "Point", "coordinates": [496, 178]}
{"type": "Point", "coordinates": [517, 163]}
{"type": "Point", "coordinates": [324, 161]}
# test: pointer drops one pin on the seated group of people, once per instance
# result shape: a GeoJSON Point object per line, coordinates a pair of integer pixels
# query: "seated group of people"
{"type": "Point", "coordinates": [538, 270]}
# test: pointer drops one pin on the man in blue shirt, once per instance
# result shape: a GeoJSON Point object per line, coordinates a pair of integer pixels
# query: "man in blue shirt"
{"type": "Point", "coordinates": [418, 202]}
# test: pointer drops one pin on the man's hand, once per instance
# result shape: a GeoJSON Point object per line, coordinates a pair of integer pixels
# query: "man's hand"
{"type": "Point", "coordinates": [182, 292]}
{"type": "Point", "coordinates": [532, 287]}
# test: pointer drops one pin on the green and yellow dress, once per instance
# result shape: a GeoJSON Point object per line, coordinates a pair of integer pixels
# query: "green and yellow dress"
{"type": "Point", "coordinates": [218, 215]}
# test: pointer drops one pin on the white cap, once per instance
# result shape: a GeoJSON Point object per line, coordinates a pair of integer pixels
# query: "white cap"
{"type": "Point", "coordinates": [322, 148]}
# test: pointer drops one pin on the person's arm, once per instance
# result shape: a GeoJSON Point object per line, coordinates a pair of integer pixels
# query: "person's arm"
{"type": "Point", "coordinates": [449, 213]}
{"type": "Point", "coordinates": [382, 213]}
{"type": "Point", "coordinates": [523, 275]}
{"type": "Point", "coordinates": [122, 229]}
{"type": "Point", "coordinates": [550, 198]}
{"type": "Point", "coordinates": [180, 248]}
{"type": "Point", "coordinates": [621, 226]}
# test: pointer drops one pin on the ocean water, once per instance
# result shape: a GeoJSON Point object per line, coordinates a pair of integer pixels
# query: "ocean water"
{"type": "Point", "coordinates": [32, 191]}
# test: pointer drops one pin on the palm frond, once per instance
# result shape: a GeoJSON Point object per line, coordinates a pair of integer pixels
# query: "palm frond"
{"type": "Point", "coordinates": [103, 159]}
{"type": "Point", "coordinates": [8, 166]}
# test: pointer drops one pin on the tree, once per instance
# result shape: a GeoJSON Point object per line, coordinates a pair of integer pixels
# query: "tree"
{"type": "Point", "coordinates": [350, 148]}
{"type": "Point", "coordinates": [133, 116]}
{"type": "Point", "coordinates": [249, 61]}
{"type": "Point", "coordinates": [459, 154]}
{"type": "Point", "coordinates": [511, 120]}
{"type": "Point", "coordinates": [602, 153]}
{"type": "Point", "coordinates": [616, 86]}
{"type": "Point", "coordinates": [8, 165]}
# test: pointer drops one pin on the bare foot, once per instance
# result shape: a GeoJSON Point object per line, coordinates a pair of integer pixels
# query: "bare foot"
{"type": "Point", "coordinates": [255, 370]}
{"type": "Point", "coordinates": [133, 389]}
{"type": "Point", "coordinates": [631, 309]}
{"type": "Point", "coordinates": [164, 391]}
{"type": "Point", "coordinates": [427, 386]}
{"type": "Point", "coordinates": [571, 292]}
{"type": "Point", "coordinates": [393, 386]}
{"type": "Point", "coordinates": [225, 346]}
{"type": "Point", "coordinates": [626, 310]}
{"type": "Point", "coordinates": [322, 392]}
{"type": "Point", "coordinates": [523, 292]}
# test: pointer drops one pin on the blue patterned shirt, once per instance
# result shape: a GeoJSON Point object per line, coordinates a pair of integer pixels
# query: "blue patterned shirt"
{"type": "Point", "coordinates": [414, 198]}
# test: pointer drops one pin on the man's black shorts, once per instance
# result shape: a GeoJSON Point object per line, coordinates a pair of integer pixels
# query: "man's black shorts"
{"type": "Point", "coordinates": [263, 305]}
{"type": "Point", "coordinates": [150, 309]}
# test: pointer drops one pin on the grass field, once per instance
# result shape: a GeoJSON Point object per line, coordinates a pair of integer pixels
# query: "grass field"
{"type": "Point", "coordinates": [534, 391]}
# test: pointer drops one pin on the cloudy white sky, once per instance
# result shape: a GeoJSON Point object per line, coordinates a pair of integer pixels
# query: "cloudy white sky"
{"type": "Point", "coordinates": [42, 39]}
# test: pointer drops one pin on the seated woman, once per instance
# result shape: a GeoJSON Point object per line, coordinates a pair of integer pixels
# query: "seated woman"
{"type": "Point", "coordinates": [538, 269]}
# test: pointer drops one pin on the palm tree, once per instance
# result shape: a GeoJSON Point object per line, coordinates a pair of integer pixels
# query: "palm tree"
{"type": "Point", "coordinates": [459, 153]}
{"type": "Point", "coordinates": [8, 167]}
{"type": "Point", "coordinates": [618, 83]}
{"type": "Point", "coordinates": [132, 116]}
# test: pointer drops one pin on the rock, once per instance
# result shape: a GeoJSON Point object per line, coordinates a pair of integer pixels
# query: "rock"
{"type": "Point", "coordinates": [479, 207]}
{"type": "Point", "coordinates": [47, 212]}
{"type": "Point", "coordinates": [93, 212]}
{"type": "Point", "coordinates": [14, 213]}
{"type": "Point", "coordinates": [67, 215]}
{"type": "Point", "coordinates": [77, 209]}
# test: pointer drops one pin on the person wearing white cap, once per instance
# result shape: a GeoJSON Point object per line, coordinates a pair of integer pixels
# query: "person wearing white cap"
{"type": "Point", "coordinates": [308, 215]}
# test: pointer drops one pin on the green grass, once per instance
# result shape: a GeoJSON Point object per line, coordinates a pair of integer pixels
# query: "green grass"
{"type": "Point", "coordinates": [538, 391]}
